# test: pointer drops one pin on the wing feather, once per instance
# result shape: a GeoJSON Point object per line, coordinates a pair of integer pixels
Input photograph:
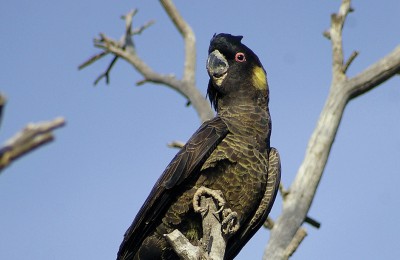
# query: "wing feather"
{"type": "Point", "coordinates": [186, 163]}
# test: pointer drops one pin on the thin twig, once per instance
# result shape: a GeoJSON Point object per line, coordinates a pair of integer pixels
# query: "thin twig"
{"type": "Point", "coordinates": [106, 74]}
{"type": "Point", "coordinates": [312, 222]}
{"type": "Point", "coordinates": [92, 59]}
{"type": "Point", "coordinates": [128, 18]}
{"type": "Point", "coordinates": [139, 30]}
{"type": "Point", "coordinates": [353, 55]}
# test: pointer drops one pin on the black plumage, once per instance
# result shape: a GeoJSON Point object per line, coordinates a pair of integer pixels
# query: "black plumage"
{"type": "Point", "coordinates": [230, 153]}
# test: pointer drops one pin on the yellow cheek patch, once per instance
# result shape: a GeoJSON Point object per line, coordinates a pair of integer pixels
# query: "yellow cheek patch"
{"type": "Point", "coordinates": [259, 78]}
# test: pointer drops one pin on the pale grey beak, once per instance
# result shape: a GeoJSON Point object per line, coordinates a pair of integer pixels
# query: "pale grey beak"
{"type": "Point", "coordinates": [217, 65]}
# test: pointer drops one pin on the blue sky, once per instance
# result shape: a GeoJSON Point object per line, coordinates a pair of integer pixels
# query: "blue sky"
{"type": "Point", "coordinates": [74, 198]}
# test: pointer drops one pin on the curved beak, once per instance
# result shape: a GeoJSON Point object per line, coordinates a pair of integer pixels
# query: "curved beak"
{"type": "Point", "coordinates": [217, 67]}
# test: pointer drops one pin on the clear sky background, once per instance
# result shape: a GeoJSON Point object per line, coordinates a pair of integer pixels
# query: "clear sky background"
{"type": "Point", "coordinates": [74, 198]}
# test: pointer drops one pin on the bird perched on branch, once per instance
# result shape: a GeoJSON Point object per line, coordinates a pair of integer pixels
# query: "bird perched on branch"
{"type": "Point", "coordinates": [230, 153]}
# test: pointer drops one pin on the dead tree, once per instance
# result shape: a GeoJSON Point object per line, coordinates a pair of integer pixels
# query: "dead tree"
{"type": "Point", "coordinates": [287, 231]}
{"type": "Point", "coordinates": [286, 235]}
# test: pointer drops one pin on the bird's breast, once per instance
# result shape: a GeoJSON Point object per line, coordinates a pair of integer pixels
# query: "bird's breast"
{"type": "Point", "coordinates": [239, 170]}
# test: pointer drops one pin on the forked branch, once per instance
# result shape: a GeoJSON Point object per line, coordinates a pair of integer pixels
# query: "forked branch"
{"type": "Point", "coordinates": [125, 49]}
{"type": "Point", "coordinates": [285, 234]}
{"type": "Point", "coordinates": [218, 225]}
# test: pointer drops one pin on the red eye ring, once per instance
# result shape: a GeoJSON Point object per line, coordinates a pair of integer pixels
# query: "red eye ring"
{"type": "Point", "coordinates": [240, 57]}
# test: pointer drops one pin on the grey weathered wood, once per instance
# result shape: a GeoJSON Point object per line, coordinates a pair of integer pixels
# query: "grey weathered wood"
{"type": "Point", "coordinates": [302, 191]}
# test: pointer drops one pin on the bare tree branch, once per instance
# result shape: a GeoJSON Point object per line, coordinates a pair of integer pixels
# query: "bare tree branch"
{"type": "Point", "coordinates": [106, 74]}
{"type": "Point", "coordinates": [92, 59]}
{"type": "Point", "coordinates": [301, 233]}
{"type": "Point", "coordinates": [285, 236]}
{"type": "Point", "coordinates": [125, 49]}
{"type": "Point", "coordinates": [375, 74]}
{"type": "Point", "coordinates": [352, 57]}
{"type": "Point", "coordinates": [216, 229]}
{"type": "Point", "coordinates": [30, 138]}
{"type": "Point", "coordinates": [312, 222]}
{"type": "Point", "coordinates": [189, 38]}
{"type": "Point", "coordinates": [337, 22]}
{"type": "Point", "coordinates": [182, 246]}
